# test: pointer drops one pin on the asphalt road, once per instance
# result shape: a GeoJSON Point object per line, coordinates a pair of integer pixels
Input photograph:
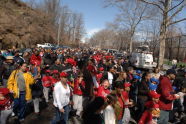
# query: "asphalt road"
{"type": "Point", "coordinates": [46, 115]}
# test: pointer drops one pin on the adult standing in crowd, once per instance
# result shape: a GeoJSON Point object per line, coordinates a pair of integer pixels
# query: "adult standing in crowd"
{"type": "Point", "coordinates": [167, 97]}
{"type": "Point", "coordinates": [143, 91]}
{"type": "Point", "coordinates": [19, 84]}
{"type": "Point", "coordinates": [6, 69]}
{"type": "Point", "coordinates": [61, 100]}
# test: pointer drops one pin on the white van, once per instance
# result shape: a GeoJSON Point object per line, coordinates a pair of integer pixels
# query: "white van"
{"type": "Point", "coordinates": [142, 59]}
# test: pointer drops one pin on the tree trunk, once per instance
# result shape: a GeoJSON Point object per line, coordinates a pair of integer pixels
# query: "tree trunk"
{"type": "Point", "coordinates": [178, 53]}
{"type": "Point", "coordinates": [131, 40]}
{"type": "Point", "coordinates": [163, 32]}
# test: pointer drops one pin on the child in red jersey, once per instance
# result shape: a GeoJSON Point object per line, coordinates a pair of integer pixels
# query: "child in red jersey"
{"type": "Point", "coordinates": [127, 103]}
{"type": "Point", "coordinates": [103, 90]}
{"type": "Point", "coordinates": [153, 112]}
{"type": "Point", "coordinates": [5, 105]}
{"type": "Point", "coordinates": [79, 86]}
{"type": "Point", "coordinates": [47, 82]}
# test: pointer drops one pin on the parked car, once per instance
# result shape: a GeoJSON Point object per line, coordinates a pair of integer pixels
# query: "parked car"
{"type": "Point", "coordinates": [45, 45]}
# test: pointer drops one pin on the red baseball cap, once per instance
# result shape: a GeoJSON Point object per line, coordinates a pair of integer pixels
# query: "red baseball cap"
{"type": "Point", "coordinates": [63, 74]}
{"type": "Point", "coordinates": [101, 69]}
{"type": "Point", "coordinates": [47, 71]}
{"type": "Point", "coordinates": [154, 94]}
{"type": "Point", "coordinates": [55, 71]}
{"type": "Point", "coordinates": [127, 84]}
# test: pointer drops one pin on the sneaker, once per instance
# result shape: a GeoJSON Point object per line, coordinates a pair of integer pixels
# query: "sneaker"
{"type": "Point", "coordinates": [21, 120]}
{"type": "Point", "coordinates": [13, 114]}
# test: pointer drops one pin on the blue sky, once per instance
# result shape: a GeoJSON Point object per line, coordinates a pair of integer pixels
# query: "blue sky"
{"type": "Point", "coordinates": [94, 12]}
{"type": "Point", "coordinates": [96, 15]}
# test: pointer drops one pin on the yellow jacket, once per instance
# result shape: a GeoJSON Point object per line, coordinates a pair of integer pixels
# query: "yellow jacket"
{"type": "Point", "coordinates": [12, 84]}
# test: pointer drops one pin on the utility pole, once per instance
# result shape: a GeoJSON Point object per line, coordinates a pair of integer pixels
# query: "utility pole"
{"type": "Point", "coordinates": [59, 30]}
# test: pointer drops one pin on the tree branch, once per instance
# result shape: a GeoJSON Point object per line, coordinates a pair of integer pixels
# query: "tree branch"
{"type": "Point", "coordinates": [152, 3]}
{"type": "Point", "coordinates": [176, 5]}
{"type": "Point", "coordinates": [184, 19]}
{"type": "Point", "coordinates": [175, 13]}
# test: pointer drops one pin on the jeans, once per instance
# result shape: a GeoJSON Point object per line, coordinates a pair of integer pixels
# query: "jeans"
{"type": "Point", "coordinates": [4, 116]}
{"type": "Point", "coordinates": [120, 121]}
{"type": "Point", "coordinates": [61, 118]}
{"type": "Point", "coordinates": [20, 105]}
{"type": "Point", "coordinates": [5, 82]}
{"type": "Point", "coordinates": [164, 117]}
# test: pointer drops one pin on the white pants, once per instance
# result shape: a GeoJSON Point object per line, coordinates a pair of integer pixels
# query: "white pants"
{"type": "Point", "coordinates": [4, 116]}
{"type": "Point", "coordinates": [126, 116]}
{"type": "Point", "coordinates": [78, 104]}
{"type": "Point", "coordinates": [36, 105]}
{"type": "Point", "coordinates": [46, 91]}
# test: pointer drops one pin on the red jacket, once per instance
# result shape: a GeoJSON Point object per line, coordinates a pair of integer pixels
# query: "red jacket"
{"type": "Point", "coordinates": [146, 118]}
{"type": "Point", "coordinates": [54, 80]}
{"type": "Point", "coordinates": [126, 98]}
{"type": "Point", "coordinates": [165, 90]}
{"type": "Point", "coordinates": [102, 92]}
{"type": "Point", "coordinates": [77, 89]}
{"type": "Point", "coordinates": [6, 103]}
{"type": "Point", "coordinates": [121, 102]}
{"type": "Point", "coordinates": [35, 60]}
{"type": "Point", "coordinates": [47, 81]}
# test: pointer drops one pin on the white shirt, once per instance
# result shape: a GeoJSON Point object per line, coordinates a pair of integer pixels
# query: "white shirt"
{"type": "Point", "coordinates": [95, 82]}
{"type": "Point", "coordinates": [109, 115]}
{"type": "Point", "coordinates": [110, 77]}
{"type": "Point", "coordinates": [61, 95]}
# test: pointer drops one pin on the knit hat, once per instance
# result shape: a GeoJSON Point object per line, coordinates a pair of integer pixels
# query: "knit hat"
{"type": "Point", "coordinates": [154, 80]}
{"type": "Point", "coordinates": [171, 71]}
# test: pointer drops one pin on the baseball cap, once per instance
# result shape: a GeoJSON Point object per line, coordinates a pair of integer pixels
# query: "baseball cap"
{"type": "Point", "coordinates": [127, 84]}
{"type": "Point", "coordinates": [63, 74]}
{"type": "Point", "coordinates": [154, 94]}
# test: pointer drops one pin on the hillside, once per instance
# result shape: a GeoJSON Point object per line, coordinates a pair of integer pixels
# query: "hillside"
{"type": "Point", "coordinates": [22, 26]}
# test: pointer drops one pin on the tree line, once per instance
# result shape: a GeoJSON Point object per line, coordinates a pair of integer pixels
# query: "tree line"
{"type": "Point", "coordinates": [148, 21]}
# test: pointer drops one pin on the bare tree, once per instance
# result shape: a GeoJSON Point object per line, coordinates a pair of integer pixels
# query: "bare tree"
{"type": "Point", "coordinates": [169, 9]}
{"type": "Point", "coordinates": [132, 13]}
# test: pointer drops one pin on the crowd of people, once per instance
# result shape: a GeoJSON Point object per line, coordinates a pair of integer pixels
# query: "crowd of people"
{"type": "Point", "coordinates": [91, 85]}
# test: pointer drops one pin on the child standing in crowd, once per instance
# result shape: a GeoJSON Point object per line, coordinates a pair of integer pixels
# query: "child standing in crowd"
{"type": "Point", "coordinates": [109, 111]}
{"type": "Point", "coordinates": [47, 82]}
{"type": "Point", "coordinates": [153, 84]}
{"type": "Point", "coordinates": [119, 106]}
{"type": "Point", "coordinates": [103, 90]}
{"type": "Point", "coordinates": [5, 105]}
{"type": "Point", "coordinates": [79, 87]}
{"type": "Point", "coordinates": [127, 103]}
{"type": "Point", "coordinates": [150, 115]}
